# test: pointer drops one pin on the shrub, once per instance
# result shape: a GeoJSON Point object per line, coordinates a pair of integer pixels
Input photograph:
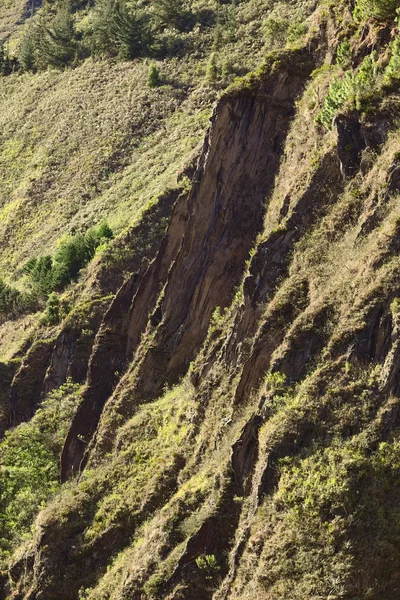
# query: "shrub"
{"type": "Point", "coordinates": [49, 274]}
{"type": "Point", "coordinates": [275, 31]}
{"type": "Point", "coordinates": [29, 456]}
{"type": "Point", "coordinates": [383, 10]}
{"type": "Point", "coordinates": [49, 41]}
{"type": "Point", "coordinates": [207, 562]}
{"type": "Point", "coordinates": [27, 51]}
{"type": "Point", "coordinates": [119, 31]}
{"type": "Point", "coordinates": [57, 44]}
{"type": "Point", "coordinates": [340, 90]}
{"type": "Point", "coordinates": [13, 303]}
{"type": "Point", "coordinates": [52, 315]}
{"type": "Point", "coordinates": [40, 271]}
{"type": "Point", "coordinates": [153, 79]}
{"type": "Point", "coordinates": [392, 73]}
{"type": "Point", "coordinates": [350, 85]}
{"type": "Point", "coordinates": [170, 13]}
{"type": "Point", "coordinates": [228, 69]}
{"type": "Point", "coordinates": [212, 69]}
{"type": "Point", "coordinates": [296, 31]}
{"type": "Point", "coordinates": [343, 54]}
{"type": "Point", "coordinates": [7, 64]}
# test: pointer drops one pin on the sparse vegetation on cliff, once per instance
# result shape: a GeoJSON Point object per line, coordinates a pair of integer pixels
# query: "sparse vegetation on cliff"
{"type": "Point", "coordinates": [29, 456]}
{"type": "Point", "coordinates": [221, 376]}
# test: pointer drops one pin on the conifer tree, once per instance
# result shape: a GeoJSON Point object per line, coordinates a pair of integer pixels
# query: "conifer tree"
{"type": "Point", "coordinates": [28, 48]}
{"type": "Point", "coordinates": [57, 44]}
{"type": "Point", "coordinates": [169, 12]}
{"type": "Point", "coordinates": [119, 31]}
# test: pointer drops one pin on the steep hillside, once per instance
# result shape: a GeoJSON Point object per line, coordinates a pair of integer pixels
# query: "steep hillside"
{"type": "Point", "coordinates": [217, 388]}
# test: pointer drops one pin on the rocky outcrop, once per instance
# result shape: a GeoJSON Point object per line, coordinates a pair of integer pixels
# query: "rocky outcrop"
{"type": "Point", "coordinates": [300, 373]}
{"type": "Point", "coordinates": [245, 453]}
{"type": "Point", "coordinates": [207, 243]}
{"type": "Point", "coordinates": [350, 144]}
{"type": "Point", "coordinates": [27, 386]}
{"type": "Point", "coordinates": [74, 344]}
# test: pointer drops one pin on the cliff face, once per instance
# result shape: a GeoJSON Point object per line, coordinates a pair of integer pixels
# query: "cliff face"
{"type": "Point", "coordinates": [237, 435]}
{"type": "Point", "coordinates": [210, 235]}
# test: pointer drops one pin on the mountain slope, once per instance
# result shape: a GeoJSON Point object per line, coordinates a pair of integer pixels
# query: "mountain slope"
{"type": "Point", "coordinates": [236, 430]}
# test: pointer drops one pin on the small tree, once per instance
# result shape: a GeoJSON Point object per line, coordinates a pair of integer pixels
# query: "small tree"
{"type": "Point", "coordinates": [119, 31]}
{"type": "Point", "coordinates": [275, 31]}
{"type": "Point", "coordinates": [392, 74]}
{"type": "Point", "coordinates": [40, 271]}
{"type": "Point", "coordinates": [169, 13]}
{"type": "Point", "coordinates": [227, 68]}
{"type": "Point", "coordinates": [153, 79]}
{"type": "Point", "coordinates": [52, 315]}
{"type": "Point", "coordinates": [27, 50]}
{"type": "Point", "coordinates": [212, 69]}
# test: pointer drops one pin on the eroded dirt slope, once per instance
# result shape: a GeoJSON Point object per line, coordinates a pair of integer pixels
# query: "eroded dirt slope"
{"type": "Point", "coordinates": [237, 435]}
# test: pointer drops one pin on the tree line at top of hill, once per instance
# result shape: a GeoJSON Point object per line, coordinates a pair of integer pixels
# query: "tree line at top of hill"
{"type": "Point", "coordinates": [64, 32]}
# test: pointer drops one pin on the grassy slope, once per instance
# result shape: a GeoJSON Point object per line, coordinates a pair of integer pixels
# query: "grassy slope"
{"type": "Point", "coordinates": [84, 145]}
{"type": "Point", "coordinates": [96, 142]}
{"type": "Point", "coordinates": [328, 528]}
{"type": "Point", "coordinates": [11, 12]}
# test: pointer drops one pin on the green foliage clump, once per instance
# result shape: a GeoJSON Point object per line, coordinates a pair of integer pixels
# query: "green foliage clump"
{"type": "Point", "coordinates": [392, 73]}
{"type": "Point", "coordinates": [275, 31]}
{"type": "Point", "coordinates": [41, 275]}
{"type": "Point", "coordinates": [153, 79]}
{"type": "Point", "coordinates": [119, 31]}
{"type": "Point", "coordinates": [169, 13]}
{"type": "Point", "coordinates": [29, 470]}
{"type": "Point", "coordinates": [50, 41]}
{"type": "Point", "coordinates": [48, 274]}
{"type": "Point", "coordinates": [27, 50]}
{"type": "Point", "coordinates": [55, 311]}
{"type": "Point", "coordinates": [296, 30]}
{"type": "Point", "coordinates": [208, 563]}
{"type": "Point", "coordinates": [383, 10]}
{"type": "Point", "coordinates": [228, 69]}
{"type": "Point", "coordinates": [7, 64]}
{"type": "Point", "coordinates": [331, 498]}
{"type": "Point", "coordinates": [212, 69]}
{"type": "Point", "coordinates": [343, 54]}
{"type": "Point", "coordinates": [57, 36]}
{"type": "Point", "coordinates": [13, 303]}
{"type": "Point", "coordinates": [278, 31]}
{"type": "Point", "coordinates": [350, 86]}
{"type": "Point", "coordinates": [340, 90]}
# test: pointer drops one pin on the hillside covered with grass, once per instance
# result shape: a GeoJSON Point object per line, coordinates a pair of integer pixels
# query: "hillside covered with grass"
{"type": "Point", "coordinates": [199, 300]}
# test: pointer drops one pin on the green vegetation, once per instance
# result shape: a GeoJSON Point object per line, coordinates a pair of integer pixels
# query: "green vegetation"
{"type": "Point", "coordinates": [48, 274]}
{"type": "Point", "coordinates": [350, 87]}
{"type": "Point", "coordinates": [384, 10]}
{"type": "Point", "coordinates": [118, 30]}
{"type": "Point", "coordinates": [29, 465]}
{"type": "Point", "coordinates": [212, 69]}
{"type": "Point", "coordinates": [14, 303]}
{"type": "Point", "coordinates": [154, 79]}
{"type": "Point", "coordinates": [272, 468]}
{"type": "Point", "coordinates": [208, 563]}
{"type": "Point", "coordinates": [330, 498]}
{"type": "Point", "coordinates": [278, 32]}
{"type": "Point", "coordinates": [392, 73]}
{"type": "Point", "coordinates": [60, 36]}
